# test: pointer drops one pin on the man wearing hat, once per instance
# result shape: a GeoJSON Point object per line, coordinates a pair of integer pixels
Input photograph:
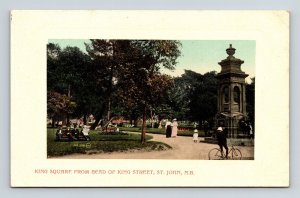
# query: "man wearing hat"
{"type": "Point", "coordinates": [222, 141]}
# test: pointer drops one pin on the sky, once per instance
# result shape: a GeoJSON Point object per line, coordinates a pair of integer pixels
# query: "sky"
{"type": "Point", "coordinates": [200, 56]}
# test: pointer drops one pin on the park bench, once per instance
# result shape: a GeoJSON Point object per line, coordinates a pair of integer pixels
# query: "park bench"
{"type": "Point", "coordinates": [72, 135]}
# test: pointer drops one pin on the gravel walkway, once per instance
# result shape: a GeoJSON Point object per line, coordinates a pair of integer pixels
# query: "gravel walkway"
{"type": "Point", "coordinates": [183, 148]}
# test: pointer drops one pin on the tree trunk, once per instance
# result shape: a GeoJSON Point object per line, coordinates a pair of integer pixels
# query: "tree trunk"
{"type": "Point", "coordinates": [132, 119]}
{"type": "Point", "coordinates": [152, 115]}
{"type": "Point", "coordinates": [69, 95]}
{"type": "Point", "coordinates": [143, 135]}
{"type": "Point", "coordinates": [98, 118]}
{"type": "Point", "coordinates": [84, 119]}
{"type": "Point", "coordinates": [68, 120]}
{"type": "Point", "coordinates": [159, 122]}
{"type": "Point", "coordinates": [136, 120]}
{"type": "Point", "coordinates": [108, 111]}
{"type": "Point", "coordinates": [94, 125]}
{"type": "Point", "coordinates": [53, 122]}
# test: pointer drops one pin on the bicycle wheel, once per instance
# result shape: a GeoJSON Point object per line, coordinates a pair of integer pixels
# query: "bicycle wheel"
{"type": "Point", "coordinates": [215, 154]}
{"type": "Point", "coordinates": [236, 154]}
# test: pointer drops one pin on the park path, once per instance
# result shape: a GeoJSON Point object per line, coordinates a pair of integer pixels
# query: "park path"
{"type": "Point", "coordinates": [183, 148]}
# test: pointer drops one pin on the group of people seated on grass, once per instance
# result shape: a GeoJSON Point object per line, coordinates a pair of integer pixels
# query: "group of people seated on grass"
{"type": "Point", "coordinates": [73, 134]}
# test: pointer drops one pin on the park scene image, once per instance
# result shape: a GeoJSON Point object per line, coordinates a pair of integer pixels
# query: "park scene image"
{"type": "Point", "coordinates": [150, 99]}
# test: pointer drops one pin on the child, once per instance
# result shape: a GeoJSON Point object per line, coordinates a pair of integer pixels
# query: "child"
{"type": "Point", "coordinates": [195, 136]}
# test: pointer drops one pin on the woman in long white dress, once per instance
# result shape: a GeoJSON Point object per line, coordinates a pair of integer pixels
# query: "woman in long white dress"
{"type": "Point", "coordinates": [174, 128]}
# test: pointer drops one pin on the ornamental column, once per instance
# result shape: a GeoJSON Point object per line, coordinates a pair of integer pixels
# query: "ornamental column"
{"type": "Point", "coordinates": [231, 93]}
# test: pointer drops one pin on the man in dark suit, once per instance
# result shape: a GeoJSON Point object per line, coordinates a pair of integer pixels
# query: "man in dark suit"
{"type": "Point", "coordinates": [222, 139]}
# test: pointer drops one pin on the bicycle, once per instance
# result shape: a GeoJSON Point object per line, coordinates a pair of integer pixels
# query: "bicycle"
{"type": "Point", "coordinates": [233, 154]}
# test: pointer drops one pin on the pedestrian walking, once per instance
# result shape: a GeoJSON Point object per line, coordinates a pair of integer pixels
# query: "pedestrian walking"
{"type": "Point", "coordinates": [168, 129]}
{"type": "Point", "coordinates": [174, 128]}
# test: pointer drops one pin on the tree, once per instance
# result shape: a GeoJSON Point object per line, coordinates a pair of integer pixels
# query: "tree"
{"type": "Point", "coordinates": [179, 96]}
{"type": "Point", "coordinates": [59, 106]}
{"type": "Point", "coordinates": [194, 96]}
{"type": "Point", "coordinates": [109, 60]}
{"type": "Point", "coordinates": [53, 52]}
{"type": "Point", "coordinates": [143, 86]}
{"type": "Point", "coordinates": [132, 77]}
{"type": "Point", "coordinates": [114, 74]}
{"type": "Point", "coordinates": [153, 55]}
{"type": "Point", "coordinates": [66, 75]}
{"type": "Point", "coordinates": [250, 100]}
{"type": "Point", "coordinates": [203, 105]}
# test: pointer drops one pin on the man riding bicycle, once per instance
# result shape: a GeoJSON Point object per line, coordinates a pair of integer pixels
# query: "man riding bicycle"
{"type": "Point", "coordinates": [222, 141]}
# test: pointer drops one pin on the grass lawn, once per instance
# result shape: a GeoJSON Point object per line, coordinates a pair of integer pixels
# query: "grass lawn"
{"type": "Point", "coordinates": [162, 131]}
{"type": "Point", "coordinates": [101, 142]}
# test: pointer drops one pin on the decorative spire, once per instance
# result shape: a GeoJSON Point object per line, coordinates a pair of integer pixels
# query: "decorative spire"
{"type": "Point", "coordinates": [231, 64]}
{"type": "Point", "coordinates": [230, 51]}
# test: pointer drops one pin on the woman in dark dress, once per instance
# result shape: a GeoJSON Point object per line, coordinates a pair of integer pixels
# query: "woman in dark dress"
{"type": "Point", "coordinates": [168, 129]}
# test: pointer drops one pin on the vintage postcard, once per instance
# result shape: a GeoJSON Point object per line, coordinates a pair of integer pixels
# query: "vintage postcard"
{"type": "Point", "coordinates": [149, 98]}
